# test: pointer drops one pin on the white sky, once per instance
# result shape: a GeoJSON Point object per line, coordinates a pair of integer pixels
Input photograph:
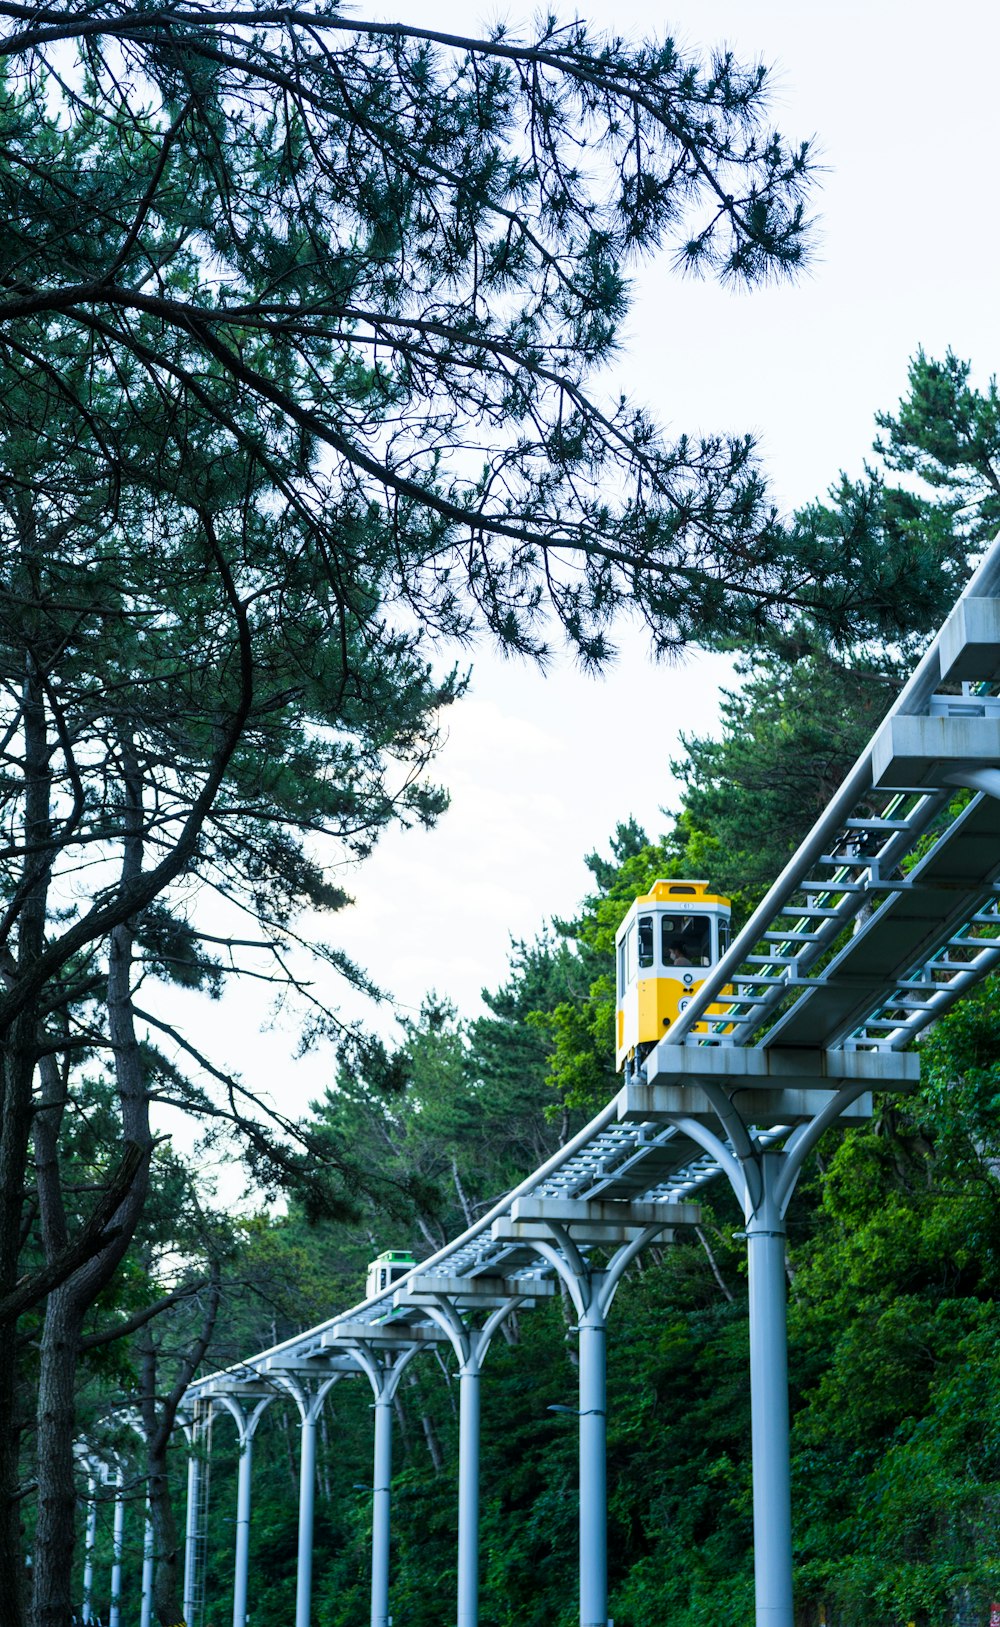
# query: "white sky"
{"type": "Point", "coordinates": [902, 99]}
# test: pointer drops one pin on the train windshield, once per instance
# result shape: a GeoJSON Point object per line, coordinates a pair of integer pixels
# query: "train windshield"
{"type": "Point", "coordinates": [645, 941]}
{"type": "Point", "coordinates": [687, 940]}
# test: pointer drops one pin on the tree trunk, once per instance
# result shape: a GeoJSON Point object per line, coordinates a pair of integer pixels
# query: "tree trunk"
{"type": "Point", "coordinates": [12, 1569]}
{"type": "Point", "coordinates": [15, 1130]}
{"type": "Point", "coordinates": [167, 1573]}
{"type": "Point", "coordinates": [67, 1305]}
{"type": "Point", "coordinates": [158, 1420]}
{"type": "Point", "coordinates": [16, 1110]}
{"type": "Point", "coordinates": [56, 1432]}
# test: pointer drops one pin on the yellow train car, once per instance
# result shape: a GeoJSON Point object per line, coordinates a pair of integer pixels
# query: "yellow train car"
{"type": "Point", "coordinates": [663, 949]}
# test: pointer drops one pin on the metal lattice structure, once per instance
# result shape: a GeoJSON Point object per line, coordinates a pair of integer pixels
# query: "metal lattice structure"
{"type": "Point", "coordinates": [887, 913]}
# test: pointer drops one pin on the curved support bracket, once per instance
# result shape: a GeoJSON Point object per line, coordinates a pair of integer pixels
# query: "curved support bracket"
{"type": "Point", "coordinates": [986, 780]}
{"type": "Point", "coordinates": [470, 1344]}
{"type": "Point", "coordinates": [619, 1264]}
{"type": "Point", "coordinates": [709, 1142]}
{"type": "Point", "coordinates": [570, 1278]}
{"type": "Point", "coordinates": [383, 1376]}
{"type": "Point", "coordinates": [493, 1321]}
{"type": "Point", "coordinates": [571, 1253]}
{"type": "Point", "coordinates": [729, 1117]}
{"type": "Point", "coordinates": [246, 1422]}
{"type": "Point", "coordinates": [746, 1148]}
{"type": "Point", "coordinates": [308, 1402]}
{"type": "Point", "coordinates": [804, 1138]}
{"type": "Point", "coordinates": [449, 1321]}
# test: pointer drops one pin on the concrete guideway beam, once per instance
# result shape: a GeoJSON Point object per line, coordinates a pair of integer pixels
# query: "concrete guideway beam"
{"type": "Point", "coordinates": [969, 642]}
{"type": "Point", "coordinates": [381, 1335]}
{"type": "Point", "coordinates": [466, 1305]}
{"type": "Point", "coordinates": [481, 1290]}
{"type": "Point", "coordinates": [643, 1104]}
{"type": "Point", "coordinates": [240, 1389]}
{"type": "Point", "coordinates": [320, 1366]}
{"type": "Point", "coordinates": [605, 1212]}
{"type": "Point", "coordinates": [921, 753]}
{"type": "Point", "coordinates": [779, 1067]}
{"type": "Point", "coordinates": [585, 1235]}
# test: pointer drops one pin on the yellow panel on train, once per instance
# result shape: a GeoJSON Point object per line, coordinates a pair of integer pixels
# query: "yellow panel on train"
{"type": "Point", "coordinates": [664, 947]}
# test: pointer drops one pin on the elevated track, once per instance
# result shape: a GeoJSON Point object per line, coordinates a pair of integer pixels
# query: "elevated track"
{"type": "Point", "coordinates": [888, 912]}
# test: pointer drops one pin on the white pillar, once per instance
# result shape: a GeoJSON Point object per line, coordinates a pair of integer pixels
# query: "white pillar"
{"type": "Point", "coordinates": [241, 1564]}
{"type": "Point", "coordinates": [593, 1470]}
{"type": "Point", "coordinates": [89, 1538]}
{"type": "Point", "coordinates": [381, 1493]}
{"type": "Point", "coordinates": [146, 1609]}
{"type": "Point", "coordinates": [772, 1497]}
{"type": "Point", "coordinates": [307, 1496]}
{"type": "Point", "coordinates": [468, 1495]}
{"type": "Point", "coordinates": [190, 1538]}
{"type": "Point", "coordinates": [117, 1543]}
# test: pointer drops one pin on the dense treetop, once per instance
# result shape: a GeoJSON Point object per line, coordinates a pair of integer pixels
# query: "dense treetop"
{"type": "Point", "coordinates": [375, 269]}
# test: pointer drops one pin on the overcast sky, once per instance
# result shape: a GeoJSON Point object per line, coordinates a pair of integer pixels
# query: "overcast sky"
{"type": "Point", "coordinates": [902, 101]}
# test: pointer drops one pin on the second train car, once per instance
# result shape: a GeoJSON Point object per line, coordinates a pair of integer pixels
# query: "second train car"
{"type": "Point", "coordinates": [663, 950]}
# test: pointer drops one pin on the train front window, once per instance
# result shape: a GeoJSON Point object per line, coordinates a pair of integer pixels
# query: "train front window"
{"type": "Point", "coordinates": [686, 940]}
{"type": "Point", "coordinates": [645, 941]}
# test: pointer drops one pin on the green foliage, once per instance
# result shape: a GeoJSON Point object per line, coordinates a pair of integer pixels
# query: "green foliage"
{"type": "Point", "coordinates": [580, 1030]}
{"type": "Point", "coordinates": [385, 245]}
{"type": "Point", "coordinates": [225, 482]}
{"type": "Point", "coordinates": [789, 736]}
{"type": "Point", "coordinates": [949, 436]}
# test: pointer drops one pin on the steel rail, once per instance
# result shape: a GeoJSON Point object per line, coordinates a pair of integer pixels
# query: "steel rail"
{"type": "Point", "coordinates": [912, 700]}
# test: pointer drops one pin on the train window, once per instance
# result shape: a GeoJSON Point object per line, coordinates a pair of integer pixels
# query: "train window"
{"type": "Point", "coordinates": [621, 969]}
{"type": "Point", "coordinates": [645, 940]}
{"type": "Point", "coordinates": [723, 938]}
{"type": "Point", "coordinates": [687, 940]}
{"type": "Point", "coordinates": [630, 955]}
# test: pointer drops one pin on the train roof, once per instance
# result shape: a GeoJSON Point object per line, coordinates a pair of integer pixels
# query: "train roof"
{"type": "Point", "coordinates": [693, 895]}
